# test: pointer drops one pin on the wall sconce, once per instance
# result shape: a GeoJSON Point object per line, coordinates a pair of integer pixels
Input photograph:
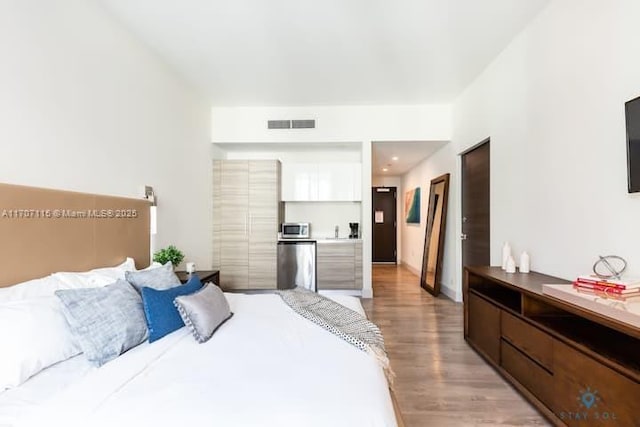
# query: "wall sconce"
{"type": "Point", "coordinates": [150, 195]}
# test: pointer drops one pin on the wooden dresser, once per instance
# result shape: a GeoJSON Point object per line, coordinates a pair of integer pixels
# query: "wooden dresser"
{"type": "Point", "coordinates": [576, 366]}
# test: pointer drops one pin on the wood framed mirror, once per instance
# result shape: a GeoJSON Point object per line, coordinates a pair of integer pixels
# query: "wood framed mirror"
{"type": "Point", "coordinates": [434, 235]}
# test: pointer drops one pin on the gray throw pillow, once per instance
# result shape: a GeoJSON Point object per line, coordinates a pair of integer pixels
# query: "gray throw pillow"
{"type": "Point", "coordinates": [105, 322]}
{"type": "Point", "coordinates": [159, 278]}
{"type": "Point", "coordinates": [204, 311]}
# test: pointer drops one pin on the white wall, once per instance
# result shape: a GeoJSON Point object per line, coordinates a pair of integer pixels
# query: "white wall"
{"type": "Point", "coordinates": [305, 156]}
{"type": "Point", "coordinates": [338, 124]}
{"type": "Point", "coordinates": [553, 105]}
{"type": "Point", "coordinates": [324, 216]}
{"type": "Point", "coordinates": [441, 162]}
{"type": "Point", "coordinates": [393, 181]}
{"type": "Point", "coordinates": [86, 107]}
{"type": "Point", "coordinates": [333, 123]}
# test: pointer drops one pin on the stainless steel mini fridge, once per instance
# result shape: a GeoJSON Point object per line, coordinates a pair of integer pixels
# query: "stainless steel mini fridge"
{"type": "Point", "coordinates": [297, 264]}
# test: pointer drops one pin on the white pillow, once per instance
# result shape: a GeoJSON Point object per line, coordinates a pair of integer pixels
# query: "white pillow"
{"type": "Point", "coordinates": [46, 286]}
{"type": "Point", "coordinates": [32, 289]}
{"type": "Point", "coordinates": [96, 278]}
{"type": "Point", "coordinates": [151, 266]}
{"type": "Point", "coordinates": [34, 336]}
{"type": "Point", "coordinates": [118, 271]}
{"type": "Point", "coordinates": [83, 280]}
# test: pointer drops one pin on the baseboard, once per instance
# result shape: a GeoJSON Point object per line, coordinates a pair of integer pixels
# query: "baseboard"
{"type": "Point", "coordinates": [411, 268]}
{"type": "Point", "coordinates": [448, 292]}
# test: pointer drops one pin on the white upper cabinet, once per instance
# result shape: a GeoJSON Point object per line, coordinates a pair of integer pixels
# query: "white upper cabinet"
{"type": "Point", "coordinates": [299, 182]}
{"type": "Point", "coordinates": [336, 181]}
{"type": "Point", "coordinates": [331, 182]}
{"type": "Point", "coordinates": [356, 174]}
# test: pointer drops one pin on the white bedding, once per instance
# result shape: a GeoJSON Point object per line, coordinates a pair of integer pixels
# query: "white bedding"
{"type": "Point", "coordinates": [19, 401]}
{"type": "Point", "coordinates": [266, 366]}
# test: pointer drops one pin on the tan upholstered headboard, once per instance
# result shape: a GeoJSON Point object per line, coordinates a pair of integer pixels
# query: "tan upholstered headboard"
{"type": "Point", "coordinates": [43, 231]}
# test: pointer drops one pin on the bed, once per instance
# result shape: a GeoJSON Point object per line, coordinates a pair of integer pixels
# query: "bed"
{"type": "Point", "coordinates": [265, 366]}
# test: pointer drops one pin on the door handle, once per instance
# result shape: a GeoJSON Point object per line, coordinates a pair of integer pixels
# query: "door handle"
{"type": "Point", "coordinates": [463, 236]}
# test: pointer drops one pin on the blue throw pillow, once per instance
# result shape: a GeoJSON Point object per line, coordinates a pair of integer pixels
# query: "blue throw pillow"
{"type": "Point", "coordinates": [162, 316]}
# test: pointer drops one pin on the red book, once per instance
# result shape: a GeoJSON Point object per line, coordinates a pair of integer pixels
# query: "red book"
{"type": "Point", "coordinates": [605, 288]}
{"type": "Point", "coordinates": [614, 283]}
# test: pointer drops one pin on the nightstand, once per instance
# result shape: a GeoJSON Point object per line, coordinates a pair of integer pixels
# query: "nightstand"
{"type": "Point", "coordinates": [204, 275]}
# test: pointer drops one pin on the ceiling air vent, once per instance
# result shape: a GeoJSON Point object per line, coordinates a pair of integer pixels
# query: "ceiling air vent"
{"type": "Point", "coordinates": [279, 124]}
{"type": "Point", "coordinates": [303, 124]}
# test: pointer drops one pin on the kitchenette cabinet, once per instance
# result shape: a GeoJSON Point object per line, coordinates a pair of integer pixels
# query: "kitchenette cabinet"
{"type": "Point", "coordinates": [322, 182]}
{"type": "Point", "coordinates": [339, 264]}
{"type": "Point", "coordinates": [246, 216]}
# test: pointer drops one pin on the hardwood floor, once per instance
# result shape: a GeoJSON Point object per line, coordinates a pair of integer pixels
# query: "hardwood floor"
{"type": "Point", "coordinates": [439, 381]}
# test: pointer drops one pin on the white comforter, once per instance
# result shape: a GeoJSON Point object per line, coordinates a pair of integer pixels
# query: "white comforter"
{"type": "Point", "coordinates": [266, 366]}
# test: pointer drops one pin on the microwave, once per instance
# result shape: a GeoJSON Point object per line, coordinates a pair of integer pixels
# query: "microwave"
{"type": "Point", "coordinates": [295, 230]}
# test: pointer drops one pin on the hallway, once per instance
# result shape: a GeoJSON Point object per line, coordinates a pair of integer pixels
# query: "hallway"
{"type": "Point", "coordinates": [440, 381]}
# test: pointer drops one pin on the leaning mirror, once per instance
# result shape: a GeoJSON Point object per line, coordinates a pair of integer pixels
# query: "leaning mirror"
{"type": "Point", "coordinates": [434, 235]}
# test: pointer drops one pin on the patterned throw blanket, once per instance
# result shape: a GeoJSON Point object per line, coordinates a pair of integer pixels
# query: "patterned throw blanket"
{"type": "Point", "coordinates": [341, 321]}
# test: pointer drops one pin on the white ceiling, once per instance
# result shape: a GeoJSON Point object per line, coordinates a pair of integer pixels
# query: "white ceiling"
{"type": "Point", "coordinates": [409, 154]}
{"type": "Point", "coordinates": [327, 52]}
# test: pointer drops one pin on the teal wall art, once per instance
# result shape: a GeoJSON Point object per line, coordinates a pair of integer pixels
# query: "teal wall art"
{"type": "Point", "coordinates": [412, 206]}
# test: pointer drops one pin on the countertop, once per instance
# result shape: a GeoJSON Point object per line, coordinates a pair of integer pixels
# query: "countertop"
{"type": "Point", "coordinates": [322, 240]}
{"type": "Point", "coordinates": [339, 240]}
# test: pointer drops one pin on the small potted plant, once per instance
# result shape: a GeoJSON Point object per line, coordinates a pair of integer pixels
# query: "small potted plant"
{"type": "Point", "coordinates": [170, 253]}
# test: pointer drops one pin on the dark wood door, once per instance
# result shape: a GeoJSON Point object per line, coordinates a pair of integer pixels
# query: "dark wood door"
{"type": "Point", "coordinates": [475, 206]}
{"type": "Point", "coordinates": [383, 218]}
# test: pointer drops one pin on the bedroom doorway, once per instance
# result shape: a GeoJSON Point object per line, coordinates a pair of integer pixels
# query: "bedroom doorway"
{"type": "Point", "coordinates": [383, 203]}
{"type": "Point", "coordinates": [476, 205]}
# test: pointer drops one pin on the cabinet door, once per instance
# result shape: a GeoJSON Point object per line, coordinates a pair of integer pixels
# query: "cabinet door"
{"type": "Point", "coordinates": [217, 213]}
{"type": "Point", "coordinates": [234, 207]}
{"type": "Point", "coordinates": [612, 398]}
{"type": "Point", "coordinates": [358, 265]}
{"type": "Point", "coordinates": [356, 173]}
{"type": "Point", "coordinates": [339, 182]}
{"type": "Point", "coordinates": [336, 265]}
{"type": "Point", "coordinates": [325, 182]}
{"type": "Point", "coordinates": [335, 182]}
{"type": "Point", "coordinates": [299, 182]}
{"type": "Point", "coordinates": [263, 224]}
{"type": "Point", "coordinates": [484, 327]}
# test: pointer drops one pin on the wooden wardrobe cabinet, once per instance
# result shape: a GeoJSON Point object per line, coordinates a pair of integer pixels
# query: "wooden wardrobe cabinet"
{"type": "Point", "coordinates": [246, 217]}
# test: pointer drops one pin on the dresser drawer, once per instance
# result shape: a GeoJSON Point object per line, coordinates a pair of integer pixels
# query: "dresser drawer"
{"type": "Point", "coordinates": [484, 327]}
{"type": "Point", "coordinates": [616, 395]}
{"type": "Point", "coordinates": [528, 373]}
{"type": "Point", "coordinates": [336, 249]}
{"type": "Point", "coordinates": [529, 339]}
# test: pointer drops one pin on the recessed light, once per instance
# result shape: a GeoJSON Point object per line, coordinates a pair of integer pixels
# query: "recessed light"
{"type": "Point", "coordinates": [384, 169]}
{"type": "Point", "coordinates": [394, 158]}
